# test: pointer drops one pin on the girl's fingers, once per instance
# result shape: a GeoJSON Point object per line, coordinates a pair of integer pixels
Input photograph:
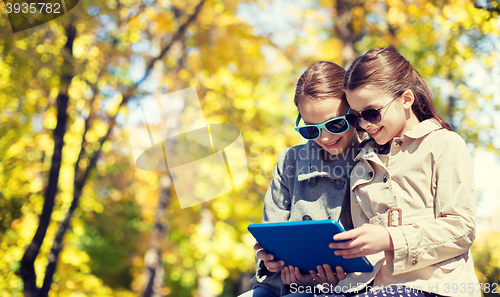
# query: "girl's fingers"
{"type": "Point", "coordinates": [340, 273]}
{"type": "Point", "coordinates": [351, 234]}
{"type": "Point", "coordinates": [367, 239]}
{"type": "Point", "coordinates": [293, 279]}
{"type": "Point", "coordinates": [315, 276]}
{"type": "Point", "coordinates": [345, 245]}
{"type": "Point", "coordinates": [274, 266]}
{"type": "Point", "coordinates": [257, 246]}
{"type": "Point", "coordinates": [321, 274]}
{"type": "Point", "coordinates": [330, 274]}
{"type": "Point", "coordinates": [289, 275]}
{"type": "Point", "coordinates": [341, 245]}
{"type": "Point", "coordinates": [351, 253]}
{"type": "Point", "coordinates": [326, 274]}
{"type": "Point", "coordinates": [298, 275]}
{"type": "Point", "coordinates": [284, 275]}
{"type": "Point", "coordinates": [321, 270]}
{"type": "Point", "coordinates": [354, 256]}
{"type": "Point", "coordinates": [264, 256]}
{"type": "Point", "coordinates": [348, 252]}
{"type": "Point", "coordinates": [303, 278]}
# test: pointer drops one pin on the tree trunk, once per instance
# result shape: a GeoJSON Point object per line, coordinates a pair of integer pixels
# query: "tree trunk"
{"type": "Point", "coordinates": [27, 269]}
{"type": "Point", "coordinates": [153, 273]}
{"type": "Point", "coordinates": [243, 283]}
{"type": "Point", "coordinates": [208, 227]}
{"type": "Point", "coordinates": [28, 274]}
{"type": "Point", "coordinates": [343, 29]}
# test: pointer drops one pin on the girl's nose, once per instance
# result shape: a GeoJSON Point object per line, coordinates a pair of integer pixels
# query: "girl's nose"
{"type": "Point", "coordinates": [325, 135]}
{"type": "Point", "coordinates": [363, 124]}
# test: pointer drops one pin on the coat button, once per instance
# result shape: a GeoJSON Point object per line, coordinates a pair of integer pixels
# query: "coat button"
{"type": "Point", "coordinates": [370, 174]}
{"type": "Point", "coordinates": [386, 177]}
{"type": "Point", "coordinates": [312, 182]}
{"type": "Point", "coordinates": [398, 142]}
{"type": "Point", "coordinates": [306, 218]}
{"type": "Point", "coordinates": [414, 262]}
{"type": "Point", "coordinates": [338, 183]}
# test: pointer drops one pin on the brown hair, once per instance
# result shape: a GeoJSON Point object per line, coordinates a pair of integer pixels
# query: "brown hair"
{"type": "Point", "coordinates": [386, 69]}
{"type": "Point", "coordinates": [321, 80]}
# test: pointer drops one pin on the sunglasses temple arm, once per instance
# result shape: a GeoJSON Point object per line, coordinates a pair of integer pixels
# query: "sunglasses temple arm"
{"type": "Point", "coordinates": [298, 120]}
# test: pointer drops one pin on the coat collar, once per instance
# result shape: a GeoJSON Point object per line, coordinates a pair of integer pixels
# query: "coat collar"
{"type": "Point", "coordinates": [368, 152]}
{"type": "Point", "coordinates": [418, 131]}
{"type": "Point", "coordinates": [423, 128]}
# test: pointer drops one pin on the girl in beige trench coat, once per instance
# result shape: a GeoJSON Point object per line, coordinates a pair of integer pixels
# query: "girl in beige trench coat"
{"type": "Point", "coordinates": [412, 190]}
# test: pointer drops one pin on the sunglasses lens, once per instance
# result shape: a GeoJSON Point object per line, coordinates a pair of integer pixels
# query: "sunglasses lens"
{"type": "Point", "coordinates": [337, 126]}
{"type": "Point", "coordinates": [371, 115]}
{"type": "Point", "coordinates": [309, 132]}
{"type": "Point", "coordinates": [352, 119]}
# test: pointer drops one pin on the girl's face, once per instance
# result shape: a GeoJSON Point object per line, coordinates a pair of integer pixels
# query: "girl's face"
{"type": "Point", "coordinates": [396, 116]}
{"type": "Point", "coordinates": [321, 110]}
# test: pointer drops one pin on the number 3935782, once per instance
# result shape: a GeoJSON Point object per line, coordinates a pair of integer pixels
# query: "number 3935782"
{"type": "Point", "coordinates": [25, 15]}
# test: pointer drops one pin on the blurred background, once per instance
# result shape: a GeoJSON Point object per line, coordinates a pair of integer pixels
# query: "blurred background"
{"type": "Point", "coordinates": [78, 218]}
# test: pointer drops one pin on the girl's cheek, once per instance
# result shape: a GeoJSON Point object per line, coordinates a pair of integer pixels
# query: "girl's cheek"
{"type": "Point", "coordinates": [350, 134]}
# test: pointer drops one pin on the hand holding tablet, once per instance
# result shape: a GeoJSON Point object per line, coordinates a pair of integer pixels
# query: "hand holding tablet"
{"type": "Point", "coordinates": [269, 262]}
{"type": "Point", "coordinates": [305, 244]}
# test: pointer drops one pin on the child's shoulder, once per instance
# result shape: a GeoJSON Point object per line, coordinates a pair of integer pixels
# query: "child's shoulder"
{"type": "Point", "coordinates": [432, 132]}
{"type": "Point", "coordinates": [448, 143]}
{"type": "Point", "coordinates": [293, 149]}
{"type": "Point", "coordinates": [308, 152]}
{"type": "Point", "coordinates": [444, 137]}
{"type": "Point", "coordinates": [292, 153]}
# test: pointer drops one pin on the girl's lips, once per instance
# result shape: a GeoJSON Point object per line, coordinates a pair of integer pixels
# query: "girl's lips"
{"type": "Point", "coordinates": [376, 132]}
{"type": "Point", "coordinates": [333, 144]}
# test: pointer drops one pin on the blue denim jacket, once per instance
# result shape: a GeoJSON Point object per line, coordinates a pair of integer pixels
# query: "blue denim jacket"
{"type": "Point", "coordinates": [304, 187]}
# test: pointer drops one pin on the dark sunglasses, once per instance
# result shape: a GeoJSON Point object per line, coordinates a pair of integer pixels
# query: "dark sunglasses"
{"type": "Point", "coordinates": [334, 126]}
{"type": "Point", "coordinates": [373, 115]}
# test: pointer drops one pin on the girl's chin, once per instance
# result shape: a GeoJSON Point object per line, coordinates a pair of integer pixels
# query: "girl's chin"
{"type": "Point", "coordinates": [379, 138]}
{"type": "Point", "coordinates": [381, 141]}
{"type": "Point", "coordinates": [335, 151]}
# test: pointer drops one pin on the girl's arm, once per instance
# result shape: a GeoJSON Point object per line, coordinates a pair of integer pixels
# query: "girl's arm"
{"type": "Point", "coordinates": [277, 204]}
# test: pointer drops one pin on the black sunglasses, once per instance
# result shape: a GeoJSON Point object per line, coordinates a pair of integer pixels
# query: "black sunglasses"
{"type": "Point", "coordinates": [334, 126]}
{"type": "Point", "coordinates": [373, 115]}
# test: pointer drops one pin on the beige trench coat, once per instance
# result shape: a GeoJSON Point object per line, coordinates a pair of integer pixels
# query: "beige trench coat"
{"type": "Point", "coordinates": [428, 175]}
